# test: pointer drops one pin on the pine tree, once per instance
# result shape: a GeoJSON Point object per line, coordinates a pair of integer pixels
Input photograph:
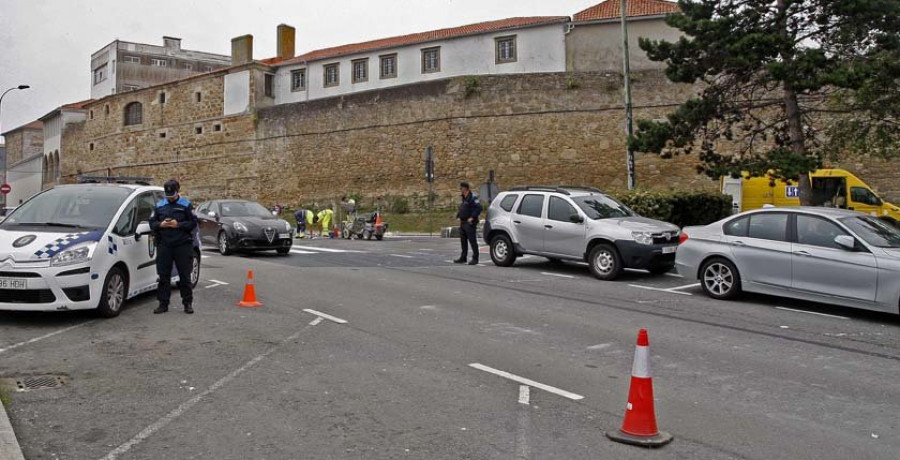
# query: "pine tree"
{"type": "Point", "coordinates": [784, 85]}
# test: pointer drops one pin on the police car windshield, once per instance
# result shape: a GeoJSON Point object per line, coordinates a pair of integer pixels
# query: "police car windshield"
{"type": "Point", "coordinates": [70, 207]}
{"type": "Point", "coordinates": [602, 207]}
{"type": "Point", "coordinates": [243, 209]}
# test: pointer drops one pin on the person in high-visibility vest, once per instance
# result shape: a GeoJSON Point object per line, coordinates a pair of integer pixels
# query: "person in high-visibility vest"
{"type": "Point", "coordinates": [325, 217]}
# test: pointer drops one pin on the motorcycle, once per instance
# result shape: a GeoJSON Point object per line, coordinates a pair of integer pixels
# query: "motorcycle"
{"type": "Point", "coordinates": [364, 226]}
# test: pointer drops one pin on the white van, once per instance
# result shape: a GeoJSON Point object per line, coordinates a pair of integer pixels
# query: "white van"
{"type": "Point", "coordinates": [80, 247]}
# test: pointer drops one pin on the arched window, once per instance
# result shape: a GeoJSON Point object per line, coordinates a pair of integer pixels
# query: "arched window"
{"type": "Point", "coordinates": [134, 114]}
{"type": "Point", "coordinates": [56, 169]}
{"type": "Point", "coordinates": [46, 170]}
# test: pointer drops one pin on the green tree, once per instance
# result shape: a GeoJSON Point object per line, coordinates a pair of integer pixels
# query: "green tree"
{"type": "Point", "coordinates": [783, 85]}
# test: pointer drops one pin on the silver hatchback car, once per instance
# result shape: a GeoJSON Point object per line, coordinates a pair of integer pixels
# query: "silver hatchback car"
{"type": "Point", "coordinates": [822, 255]}
{"type": "Point", "coordinates": [577, 223]}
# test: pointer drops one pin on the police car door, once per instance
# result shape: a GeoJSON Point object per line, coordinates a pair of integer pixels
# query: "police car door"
{"type": "Point", "coordinates": [138, 253]}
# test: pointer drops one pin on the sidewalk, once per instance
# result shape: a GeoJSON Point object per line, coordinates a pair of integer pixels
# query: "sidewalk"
{"type": "Point", "coordinates": [9, 446]}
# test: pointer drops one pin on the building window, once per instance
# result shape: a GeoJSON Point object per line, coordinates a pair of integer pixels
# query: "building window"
{"type": "Point", "coordinates": [332, 75]}
{"type": "Point", "coordinates": [162, 98]}
{"type": "Point", "coordinates": [360, 70]}
{"type": "Point", "coordinates": [92, 114]}
{"type": "Point", "coordinates": [106, 110]}
{"type": "Point", "coordinates": [132, 59]}
{"type": "Point", "coordinates": [188, 67]}
{"type": "Point", "coordinates": [134, 114]}
{"type": "Point", "coordinates": [158, 62]}
{"type": "Point", "coordinates": [298, 80]}
{"type": "Point", "coordinates": [198, 130]}
{"type": "Point", "coordinates": [506, 49]}
{"type": "Point", "coordinates": [91, 146]}
{"type": "Point", "coordinates": [431, 60]}
{"type": "Point", "coordinates": [270, 85]}
{"type": "Point", "coordinates": [162, 135]}
{"type": "Point", "coordinates": [217, 127]}
{"type": "Point", "coordinates": [207, 69]}
{"type": "Point", "coordinates": [198, 96]}
{"type": "Point", "coordinates": [389, 66]}
{"type": "Point", "coordinates": [100, 74]}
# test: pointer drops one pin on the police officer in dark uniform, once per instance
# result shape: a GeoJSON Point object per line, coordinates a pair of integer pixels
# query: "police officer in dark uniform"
{"type": "Point", "coordinates": [469, 210]}
{"type": "Point", "coordinates": [173, 222]}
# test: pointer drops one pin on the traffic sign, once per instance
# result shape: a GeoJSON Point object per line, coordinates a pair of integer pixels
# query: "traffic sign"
{"type": "Point", "coordinates": [5, 189]}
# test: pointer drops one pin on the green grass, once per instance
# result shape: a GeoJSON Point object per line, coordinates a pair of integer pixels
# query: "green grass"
{"type": "Point", "coordinates": [4, 397]}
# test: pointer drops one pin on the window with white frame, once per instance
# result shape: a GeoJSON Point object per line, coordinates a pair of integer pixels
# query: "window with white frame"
{"type": "Point", "coordinates": [389, 66]}
{"type": "Point", "coordinates": [298, 80]}
{"type": "Point", "coordinates": [100, 74]}
{"type": "Point", "coordinates": [132, 59]}
{"type": "Point", "coordinates": [332, 75]}
{"type": "Point", "coordinates": [360, 70]}
{"type": "Point", "coordinates": [158, 62]}
{"type": "Point", "coordinates": [506, 49]}
{"type": "Point", "coordinates": [431, 60]}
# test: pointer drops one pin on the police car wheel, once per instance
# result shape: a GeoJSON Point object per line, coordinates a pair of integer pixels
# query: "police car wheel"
{"type": "Point", "coordinates": [224, 247]}
{"type": "Point", "coordinates": [113, 294]}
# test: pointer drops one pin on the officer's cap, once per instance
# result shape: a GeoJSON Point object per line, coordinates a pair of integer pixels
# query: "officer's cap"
{"type": "Point", "coordinates": [172, 187]}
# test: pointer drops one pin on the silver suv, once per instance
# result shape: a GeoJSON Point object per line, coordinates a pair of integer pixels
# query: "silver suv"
{"type": "Point", "coordinates": [577, 223]}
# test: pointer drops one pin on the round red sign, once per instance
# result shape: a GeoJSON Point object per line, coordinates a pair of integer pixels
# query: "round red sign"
{"type": "Point", "coordinates": [5, 189]}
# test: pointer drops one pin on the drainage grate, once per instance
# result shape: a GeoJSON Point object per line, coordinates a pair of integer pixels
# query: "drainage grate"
{"type": "Point", "coordinates": [39, 382]}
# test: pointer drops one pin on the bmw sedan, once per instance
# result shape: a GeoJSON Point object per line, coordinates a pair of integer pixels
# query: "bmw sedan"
{"type": "Point", "coordinates": [239, 225]}
{"type": "Point", "coordinates": [822, 255]}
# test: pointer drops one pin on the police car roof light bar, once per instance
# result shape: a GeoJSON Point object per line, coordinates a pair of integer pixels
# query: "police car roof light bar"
{"type": "Point", "coordinates": [115, 180]}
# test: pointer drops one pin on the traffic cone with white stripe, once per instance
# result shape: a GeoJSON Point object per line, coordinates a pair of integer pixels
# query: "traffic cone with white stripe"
{"type": "Point", "coordinates": [249, 293]}
{"type": "Point", "coordinates": [639, 427]}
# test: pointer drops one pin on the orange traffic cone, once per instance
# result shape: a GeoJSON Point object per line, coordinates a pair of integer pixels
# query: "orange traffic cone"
{"type": "Point", "coordinates": [378, 222]}
{"type": "Point", "coordinates": [249, 293]}
{"type": "Point", "coordinates": [639, 426]}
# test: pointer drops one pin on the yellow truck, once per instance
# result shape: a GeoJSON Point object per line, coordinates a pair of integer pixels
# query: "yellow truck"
{"type": "Point", "coordinates": [835, 188]}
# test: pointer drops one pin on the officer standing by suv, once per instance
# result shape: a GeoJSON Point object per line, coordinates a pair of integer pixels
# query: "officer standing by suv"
{"type": "Point", "coordinates": [469, 210]}
{"type": "Point", "coordinates": [173, 222]}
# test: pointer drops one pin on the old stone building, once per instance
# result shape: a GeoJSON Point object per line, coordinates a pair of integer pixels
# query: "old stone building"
{"type": "Point", "coordinates": [24, 154]}
{"type": "Point", "coordinates": [55, 123]}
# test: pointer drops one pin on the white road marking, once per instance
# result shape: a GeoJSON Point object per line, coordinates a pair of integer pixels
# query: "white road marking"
{"type": "Point", "coordinates": [812, 313]}
{"type": "Point", "coordinates": [316, 321]}
{"type": "Point", "coordinates": [558, 275]}
{"type": "Point", "coordinates": [673, 275]}
{"type": "Point", "coordinates": [688, 286]}
{"type": "Point", "coordinates": [216, 283]}
{"type": "Point", "coordinates": [402, 255]}
{"type": "Point", "coordinates": [297, 251]}
{"type": "Point", "coordinates": [524, 381]}
{"type": "Point", "coordinates": [45, 336]}
{"type": "Point", "coordinates": [326, 316]}
{"type": "Point", "coordinates": [659, 289]}
{"type": "Point", "coordinates": [316, 248]}
{"type": "Point", "coordinates": [185, 406]}
{"type": "Point", "coordinates": [524, 394]}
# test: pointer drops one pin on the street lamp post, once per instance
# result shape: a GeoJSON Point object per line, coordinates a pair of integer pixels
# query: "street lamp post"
{"type": "Point", "coordinates": [629, 120]}
{"type": "Point", "coordinates": [4, 94]}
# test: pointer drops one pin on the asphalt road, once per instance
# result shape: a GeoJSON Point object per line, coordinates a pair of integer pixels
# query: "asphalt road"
{"type": "Point", "coordinates": [761, 378]}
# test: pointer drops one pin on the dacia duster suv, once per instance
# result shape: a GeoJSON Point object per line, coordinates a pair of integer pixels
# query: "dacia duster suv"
{"type": "Point", "coordinates": [577, 223]}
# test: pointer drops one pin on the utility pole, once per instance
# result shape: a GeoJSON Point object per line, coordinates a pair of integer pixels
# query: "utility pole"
{"type": "Point", "coordinates": [429, 178]}
{"type": "Point", "coordinates": [629, 116]}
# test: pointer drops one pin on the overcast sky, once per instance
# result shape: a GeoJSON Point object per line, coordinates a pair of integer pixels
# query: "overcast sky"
{"type": "Point", "coordinates": [48, 43]}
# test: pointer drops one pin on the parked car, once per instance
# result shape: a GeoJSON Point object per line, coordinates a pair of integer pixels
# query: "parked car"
{"type": "Point", "coordinates": [240, 225]}
{"type": "Point", "coordinates": [78, 247]}
{"type": "Point", "coordinates": [577, 223]}
{"type": "Point", "coordinates": [825, 255]}
{"type": "Point", "coordinates": [5, 212]}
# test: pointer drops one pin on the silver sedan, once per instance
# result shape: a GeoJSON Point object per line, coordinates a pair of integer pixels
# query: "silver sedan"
{"type": "Point", "coordinates": [817, 254]}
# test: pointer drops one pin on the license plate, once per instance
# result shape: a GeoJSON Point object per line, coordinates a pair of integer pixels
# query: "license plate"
{"type": "Point", "coordinates": [13, 283]}
{"type": "Point", "coordinates": [284, 235]}
{"type": "Point", "coordinates": [669, 249]}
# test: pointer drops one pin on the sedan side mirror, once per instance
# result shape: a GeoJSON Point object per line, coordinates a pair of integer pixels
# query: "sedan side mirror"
{"type": "Point", "coordinates": [211, 214]}
{"type": "Point", "coordinates": [575, 218]}
{"type": "Point", "coordinates": [845, 242]}
{"type": "Point", "coordinates": [143, 228]}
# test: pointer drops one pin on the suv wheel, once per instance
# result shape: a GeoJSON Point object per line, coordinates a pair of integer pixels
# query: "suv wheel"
{"type": "Point", "coordinates": [720, 279]}
{"type": "Point", "coordinates": [502, 252]}
{"type": "Point", "coordinates": [605, 262]}
{"type": "Point", "coordinates": [113, 294]}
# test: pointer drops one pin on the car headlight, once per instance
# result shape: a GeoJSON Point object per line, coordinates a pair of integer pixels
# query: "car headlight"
{"type": "Point", "coordinates": [241, 228]}
{"type": "Point", "coordinates": [75, 255]}
{"type": "Point", "coordinates": [287, 226]}
{"type": "Point", "coordinates": [642, 237]}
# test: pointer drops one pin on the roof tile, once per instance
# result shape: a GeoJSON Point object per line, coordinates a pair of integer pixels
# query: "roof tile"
{"type": "Point", "coordinates": [612, 9]}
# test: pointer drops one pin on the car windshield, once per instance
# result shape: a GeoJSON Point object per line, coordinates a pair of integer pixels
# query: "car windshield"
{"type": "Point", "coordinates": [602, 207]}
{"type": "Point", "coordinates": [85, 207]}
{"type": "Point", "coordinates": [874, 231]}
{"type": "Point", "coordinates": [243, 209]}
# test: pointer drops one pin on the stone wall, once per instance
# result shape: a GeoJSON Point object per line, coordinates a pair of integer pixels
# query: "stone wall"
{"type": "Point", "coordinates": [22, 144]}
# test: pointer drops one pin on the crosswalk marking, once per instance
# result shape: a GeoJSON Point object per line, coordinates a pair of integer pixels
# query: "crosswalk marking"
{"type": "Point", "coordinates": [316, 248]}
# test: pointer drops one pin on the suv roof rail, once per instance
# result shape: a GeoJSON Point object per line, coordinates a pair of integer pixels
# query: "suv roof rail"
{"type": "Point", "coordinates": [581, 187]}
{"type": "Point", "coordinates": [539, 188]}
{"type": "Point", "coordinates": [115, 180]}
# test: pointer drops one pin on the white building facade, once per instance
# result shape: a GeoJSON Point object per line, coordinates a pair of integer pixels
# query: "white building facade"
{"type": "Point", "coordinates": [54, 124]}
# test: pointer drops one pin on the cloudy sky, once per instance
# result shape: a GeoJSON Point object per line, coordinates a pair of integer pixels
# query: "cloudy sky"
{"type": "Point", "coordinates": [48, 43]}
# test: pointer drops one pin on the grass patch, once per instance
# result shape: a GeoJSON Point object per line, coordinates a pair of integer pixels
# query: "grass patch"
{"type": "Point", "coordinates": [4, 397]}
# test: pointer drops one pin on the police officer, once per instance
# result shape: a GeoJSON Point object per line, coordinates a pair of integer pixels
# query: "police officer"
{"type": "Point", "coordinates": [173, 222]}
{"type": "Point", "coordinates": [469, 210]}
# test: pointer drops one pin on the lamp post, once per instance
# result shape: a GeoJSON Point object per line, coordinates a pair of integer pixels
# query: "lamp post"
{"type": "Point", "coordinates": [4, 94]}
{"type": "Point", "coordinates": [629, 123]}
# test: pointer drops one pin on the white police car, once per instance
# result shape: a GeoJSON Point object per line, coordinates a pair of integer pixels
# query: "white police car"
{"type": "Point", "coordinates": [79, 247]}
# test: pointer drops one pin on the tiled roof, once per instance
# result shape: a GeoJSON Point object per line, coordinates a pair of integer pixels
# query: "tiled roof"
{"type": "Point", "coordinates": [32, 125]}
{"type": "Point", "coordinates": [76, 105]}
{"type": "Point", "coordinates": [424, 37]}
{"type": "Point", "coordinates": [612, 9]}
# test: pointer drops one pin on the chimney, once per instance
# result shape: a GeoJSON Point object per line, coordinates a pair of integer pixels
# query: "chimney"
{"type": "Point", "coordinates": [286, 35]}
{"type": "Point", "coordinates": [172, 43]}
{"type": "Point", "coordinates": [242, 50]}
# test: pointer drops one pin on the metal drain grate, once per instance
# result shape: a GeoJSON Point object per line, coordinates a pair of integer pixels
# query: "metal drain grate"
{"type": "Point", "coordinates": [40, 382]}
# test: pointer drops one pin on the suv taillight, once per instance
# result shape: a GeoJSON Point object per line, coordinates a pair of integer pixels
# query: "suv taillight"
{"type": "Point", "coordinates": [682, 238]}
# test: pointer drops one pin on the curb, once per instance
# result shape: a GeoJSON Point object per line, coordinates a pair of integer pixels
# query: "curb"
{"type": "Point", "coordinates": [9, 446]}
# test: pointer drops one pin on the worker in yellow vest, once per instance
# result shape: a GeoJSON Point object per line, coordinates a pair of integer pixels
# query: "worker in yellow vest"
{"type": "Point", "coordinates": [326, 216]}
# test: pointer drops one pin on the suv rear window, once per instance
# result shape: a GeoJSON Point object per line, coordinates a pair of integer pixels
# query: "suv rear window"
{"type": "Point", "coordinates": [508, 202]}
{"type": "Point", "coordinates": [532, 205]}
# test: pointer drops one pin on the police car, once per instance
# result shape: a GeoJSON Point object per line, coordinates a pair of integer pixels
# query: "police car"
{"type": "Point", "coordinates": [80, 247]}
